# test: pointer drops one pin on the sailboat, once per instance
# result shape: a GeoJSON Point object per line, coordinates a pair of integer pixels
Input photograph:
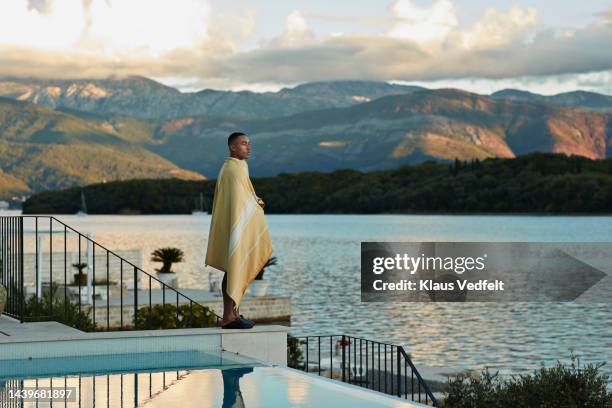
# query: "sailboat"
{"type": "Point", "coordinates": [200, 210]}
{"type": "Point", "coordinates": [83, 210]}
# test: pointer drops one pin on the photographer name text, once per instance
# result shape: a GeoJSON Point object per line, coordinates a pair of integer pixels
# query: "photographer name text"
{"type": "Point", "coordinates": [431, 285]}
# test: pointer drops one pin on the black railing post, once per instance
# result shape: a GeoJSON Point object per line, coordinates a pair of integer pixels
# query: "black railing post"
{"type": "Point", "coordinates": [378, 366]}
{"type": "Point", "coordinates": [107, 291]}
{"type": "Point", "coordinates": [386, 368]}
{"type": "Point", "coordinates": [349, 359]}
{"type": "Point", "coordinates": [360, 360]}
{"type": "Point", "coordinates": [2, 268]}
{"type": "Point", "coordinates": [412, 383]}
{"type": "Point", "coordinates": [306, 364]}
{"type": "Point", "coordinates": [121, 297]}
{"type": "Point", "coordinates": [391, 363]}
{"type": "Point", "coordinates": [150, 305]}
{"type": "Point", "coordinates": [343, 344]}
{"type": "Point", "coordinates": [15, 259]}
{"type": "Point", "coordinates": [319, 362]}
{"type": "Point", "coordinates": [331, 356]}
{"type": "Point", "coordinates": [79, 272]}
{"type": "Point", "coordinates": [135, 298]}
{"type": "Point", "coordinates": [399, 374]}
{"type": "Point", "coordinates": [288, 355]}
{"type": "Point", "coordinates": [92, 294]}
{"type": "Point", "coordinates": [21, 279]}
{"type": "Point", "coordinates": [367, 371]}
{"type": "Point", "coordinates": [190, 313]}
{"type": "Point", "coordinates": [65, 276]}
{"type": "Point", "coordinates": [36, 257]}
{"type": "Point", "coordinates": [50, 264]}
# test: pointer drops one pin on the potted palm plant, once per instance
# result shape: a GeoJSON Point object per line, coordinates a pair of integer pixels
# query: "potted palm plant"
{"type": "Point", "coordinates": [259, 287]}
{"type": "Point", "coordinates": [101, 288]}
{"type": "Point", "coordinates": [167, 256]}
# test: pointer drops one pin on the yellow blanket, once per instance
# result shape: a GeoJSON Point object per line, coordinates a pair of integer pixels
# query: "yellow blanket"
{"type": "Point", "coordinates": [239, 242]}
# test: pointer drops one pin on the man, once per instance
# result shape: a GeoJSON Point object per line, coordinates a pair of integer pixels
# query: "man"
{"type": "Point", "coordinates": [238, 243]}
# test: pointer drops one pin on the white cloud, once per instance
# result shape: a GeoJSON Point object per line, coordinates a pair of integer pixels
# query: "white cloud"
{"type": "Point", "coordinates": [111, 27]}
{"type": "Point", "coordinates": [297, 31]}
{"type": "Point", "coordinates": [438, 25]}
{"type": "Point", "coordinates": [188, 42]}
{"type": "Point", "coordinates": [547, 85]}
{"type": "Point", "coordinates": [58, 27]}
{"type": "Point", "coordinates": [497, 28]}
{"type": "Point", "coordinates": [423, 24]}
{"type": "Point", "coordinates": [151, 27]}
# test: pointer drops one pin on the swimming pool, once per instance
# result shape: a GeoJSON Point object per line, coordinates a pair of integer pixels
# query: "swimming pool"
{"type": "Point", "coordinates": [182, 379]}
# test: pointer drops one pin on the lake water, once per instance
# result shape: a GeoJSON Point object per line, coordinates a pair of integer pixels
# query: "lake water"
{"type": "Point", "coordinates": [319, 267]}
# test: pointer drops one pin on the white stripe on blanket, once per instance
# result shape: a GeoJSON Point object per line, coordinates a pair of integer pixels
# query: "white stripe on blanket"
{"type": "Point", "coordinates": [238, 228]}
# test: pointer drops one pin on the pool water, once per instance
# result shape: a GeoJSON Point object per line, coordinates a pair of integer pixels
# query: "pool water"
{"type": "Point", "coordinates": [176, 379]}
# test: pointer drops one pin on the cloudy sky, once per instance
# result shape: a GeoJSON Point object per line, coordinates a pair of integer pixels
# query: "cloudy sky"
{"type": "Point", "coordinates": [546, 46]}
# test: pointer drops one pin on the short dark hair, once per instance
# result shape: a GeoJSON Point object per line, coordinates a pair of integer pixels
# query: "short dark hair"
{"type": "Point", "coordinates": [233, 137]}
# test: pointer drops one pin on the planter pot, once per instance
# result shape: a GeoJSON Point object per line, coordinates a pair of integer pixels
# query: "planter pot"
{"type": "Point", "coordinates": [169, 279]}
{"type": "Point", "coordinates": [80, 279]}
{"type": "Point", "coordinates": [2, 298]}
{"type": "Point", "coordinates": [259, 288]}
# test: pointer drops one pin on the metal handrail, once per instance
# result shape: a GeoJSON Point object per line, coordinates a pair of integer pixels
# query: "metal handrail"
{"type": "Point", "coordinates": [123, 259]}
{"type": "Point", "coordinates": [136, 270]}
{"type": "Point", "coordinates": [427, 390]}
{"type": "Point", "coordinates": [386, 364]}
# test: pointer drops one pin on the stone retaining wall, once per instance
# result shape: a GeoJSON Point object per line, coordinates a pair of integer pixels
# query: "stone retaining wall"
{"type": "Point", "coordinates": [260, 309]}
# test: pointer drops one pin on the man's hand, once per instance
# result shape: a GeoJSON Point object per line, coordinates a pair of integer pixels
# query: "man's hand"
{"type": "Point", "coordinates": [260, 202]}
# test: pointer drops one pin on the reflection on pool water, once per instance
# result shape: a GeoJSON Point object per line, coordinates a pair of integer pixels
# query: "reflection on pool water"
{"type": "Point", "coordinates": [266, 387]}
{"type": "Point", "coordinates": [177, 379]}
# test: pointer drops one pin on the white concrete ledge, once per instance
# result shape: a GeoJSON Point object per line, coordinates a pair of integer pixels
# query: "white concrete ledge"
{"type": "Point", "coordinates": [267, 343]}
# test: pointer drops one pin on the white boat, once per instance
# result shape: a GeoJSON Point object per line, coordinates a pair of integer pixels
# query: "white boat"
{"type": "Point", "coordinates": [4, 205]}
{"type": "Point", "coordinates": [200, 210]}
{"type": "Point", "coordinates": [83, 210]}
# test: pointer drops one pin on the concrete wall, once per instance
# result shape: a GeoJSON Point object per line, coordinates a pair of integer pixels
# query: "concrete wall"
{"type": "Point", "coordinates": [260, 309]}
{"type": "Point", "coordinates": [265, 343]}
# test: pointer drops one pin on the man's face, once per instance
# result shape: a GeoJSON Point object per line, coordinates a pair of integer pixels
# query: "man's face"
{"type": "Point", "coordinates": [241, 147]}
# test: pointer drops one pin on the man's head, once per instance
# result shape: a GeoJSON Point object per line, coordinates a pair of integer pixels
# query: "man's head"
{"type": "Point", "coordinates": [239, 145]}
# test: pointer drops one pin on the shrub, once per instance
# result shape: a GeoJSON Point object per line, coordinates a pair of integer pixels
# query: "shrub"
{"type": "Point", "coordinates": [166, 317]}
{"type": "Point", "coordinates": [58, 308]}
{"type": "Point", "coordinates": [294, 352]}
{"type": "Point", "coordinates": [570, 386]}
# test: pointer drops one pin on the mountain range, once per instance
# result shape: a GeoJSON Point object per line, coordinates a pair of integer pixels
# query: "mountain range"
{"type": "Point", "coordinates": [59, 133]}
{"type": "Point", "coordinates": [144, 98]}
